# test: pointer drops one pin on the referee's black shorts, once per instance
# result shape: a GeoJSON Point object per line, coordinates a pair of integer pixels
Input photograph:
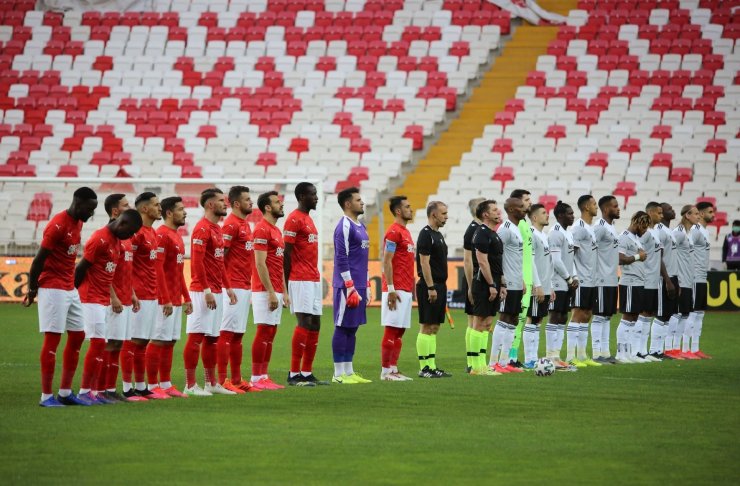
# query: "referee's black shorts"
{"type": "Point", "coordinates": [482, 307]}
{"type": "Point", "coordinates": [431, 313]}
{"type": "Point", "coordinates": [468, 304]}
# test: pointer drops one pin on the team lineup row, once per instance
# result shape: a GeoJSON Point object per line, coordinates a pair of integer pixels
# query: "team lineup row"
{"type": "Point", "coordinates": [128, 292]}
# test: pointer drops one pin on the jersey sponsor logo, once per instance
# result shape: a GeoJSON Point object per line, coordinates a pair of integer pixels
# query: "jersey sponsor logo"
{"type": "Point", "coordinates": [289, 233]}
{"type": "Point", "coordinates": [260, 241]}
{"type": "Point", "coordinates": [218, 253]}
{"type": "Point", "coordinates": [227, 237]}
{"type": "Point", "coordinates": [160, 249]}
{"type": "Point", "coordinates": [73, 249]}
{"type": "Point", "coordinates": [128, 256]}
{"type": "Point", "coordinates": [410, 249]}
{"type": "Point", "coordinates": [279, 251]}
{"type": "Point", "coordinates": [365, 244]}
{"type": "Point", "coordinates": [197, 241]}
{"type": "Point", "coordinates": [313, 238]}
{"type": "Point", "coordinates": [110, 267]}
{"type": "Point", "coordinates": [180, 258]}
{"type": "Point", "coordinates": [153, 254]}
{"type": "Point", "coordinates": [249, 245]}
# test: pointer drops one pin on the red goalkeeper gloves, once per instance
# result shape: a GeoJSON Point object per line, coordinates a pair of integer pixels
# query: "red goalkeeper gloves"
{"type": "Point", "coordinates": [353, 297]}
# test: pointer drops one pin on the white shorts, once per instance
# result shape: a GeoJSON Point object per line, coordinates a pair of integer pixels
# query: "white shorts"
{"type": "Point", "coordinates": [401, 317]}
{"type": "Point", "coordinates": [261, 311]}
{"type": "Point", "coordinates": [204, 320]}
{"type": "Point", "coordinates": [118, 326]}
{"type": "Point", "coordinates": [235, 316]}
{"type": "Point", "coordinates": [305, 297]}
{"type": "Point", "coordinates": [94, 317]}
{"type": "Point", "coordinates": [60, 310]}
{"type": "Point", "coordinates": [142, 322]}
{"type": "Point", "coordinates": [168, 328]}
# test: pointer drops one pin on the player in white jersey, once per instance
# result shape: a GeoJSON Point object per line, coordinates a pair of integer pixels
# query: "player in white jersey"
{"type": "Point", "coordinates": [667, 306]}
{"type": "Point", "coordinates": [631, 287]}
{"type": "Point", "coordinates": [564, 281]}
{"type": "Point", "coordinates": [584, 297]}
{"type": "Point", "coordinates": [607, 261]}
{"type": "Point", "coordinates": [542, 261]}
{"type": "Point", "coordinates": [700, 236]}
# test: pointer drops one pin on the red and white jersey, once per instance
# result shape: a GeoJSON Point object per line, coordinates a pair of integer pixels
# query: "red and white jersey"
{"type": "Point", "coordinates": [62, 238]}
{"type": "Point", "coordinates": [300, 231]}
{"type": "Point", "coordinates": [207, 258]}
{"type": "Point", "coordinates": [398, 240]}
{"type": "Point", "coordinates": [239, 260]}
{"type": "Point", "coordinates": [267, 237]}
{"type": "Point", "coordinates": [122, 283]}
{"type": "Point", "coordinates": [103, 250]}
{"type": "Point", "coordinates": [145, 275]}
{"type": "Point", "coordinates": [171, 258]}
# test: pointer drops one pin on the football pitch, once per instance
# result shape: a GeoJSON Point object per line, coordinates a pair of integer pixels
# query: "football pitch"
{"type": "Point", "coordinates": [677, 422]}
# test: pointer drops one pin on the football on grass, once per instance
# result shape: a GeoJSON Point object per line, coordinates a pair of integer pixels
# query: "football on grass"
{"type": "Point", "coordinates": [544, 367]}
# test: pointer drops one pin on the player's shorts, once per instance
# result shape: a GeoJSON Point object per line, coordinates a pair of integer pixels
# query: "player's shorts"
{"type": "Point", "coordinates": [401, 316]}
{"type": "Point", "coordinates": [650, 301]}
{"type": "Point", "coordinates": [468, 304]}
{"type": "Point", "coordinates": [513, 302]}
{"type": "Point", "coordinates": [606, 301]}
{"type": "Point", "coordinates": [93, 315]}
{"type": "Point", "coordinates": [59, 311]}
{"type": "Point", "coordinates": [667, 306]}
{"type": "Point", "coordinates": [142, 322]}
{"type": "Point", "coordinates": [631, 299]}
{"type": "Point", "coordinates": [118, 325]}
{"type": "Point", "coordinates": [431, 313]}
{"type": "Point", "coordinates": [350, 317]}
{"type": "Point", "coordinates": [700, 296]}
{"type": "Point", "coordinates": [204, 320]}
{"type": "Point", "coordinates": [261, 309]}
{"type": "Point", "coordinates": [482, 307]}
{"type": "Point", "coordinates": [686, 301]}
{"type": "Point", "coordinates": [305, 297]}
{"type": "Point", "coordinates": [561, 304]}
{"type": "Point", "coordinates": [584, 298]}
{"type": "Point", "coordinates": [235, 316]}
{"type": "Point", "coordinates": [168, 328]}
{"type": "Point", "coordinates": [536, 309]}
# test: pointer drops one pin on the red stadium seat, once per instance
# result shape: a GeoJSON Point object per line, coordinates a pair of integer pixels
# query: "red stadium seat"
{"type": "Point", "coordinates": [682, 175]}
{"type": "Point", "coordinates": [598, 159]}
{"type": "Point", "coordinates": [625, 189]}
{"type": "Point", "coordinates": [503, 174]}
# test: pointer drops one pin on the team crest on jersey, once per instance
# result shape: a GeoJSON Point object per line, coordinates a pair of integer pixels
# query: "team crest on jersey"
{"type": "Point", "coordinates": [73, 249]}
{"type": "Point", "coordinates": [249, 245]}
{"type": "Point", "coordinates": [128, 256]}
{"type": "Point", "coordinates": [152, 254]}
{"type": "Point", "coordinates": [110, 267]}
{"type": "Point", "coordinates": [279, 251]}
{"type": "Point", "coordinates": [180, 258]}
{"type": "Point", "coordinates": [365, 244]}
{"type": "Point", "coordinates": [218, 253]}
{"type": "Point", "coordinates": [312, 238]}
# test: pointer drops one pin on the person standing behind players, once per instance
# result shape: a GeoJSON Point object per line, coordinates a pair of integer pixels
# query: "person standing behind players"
{"type": "Point", "coordinates": [731, 247]}
{"type": "Point", "coordinates": [431, 289]}
{"type": "Point", "coordinates": [238, 260]}
{"type": "Point", "coordinates": [268, 287]}
{"type": "Point", "coordinates": [564, 281]}
{"type": "Point", "coordinates": [584, 298]}
{"type": "Point", "coordinates": [606, 279]}
{"type": "Point", "coordinates": [304, 285]}
{"type": "Point", "coordinates": [668, 305]}
{"type": "Point", "coordinates": [52, 278]}
{"type": "Point", "coordinates": [208, 278]}
{"type": "Point", "coordinates": [167, 328]}
{"type": "Point", "coordinates": [470, 266]}
{"type": "Point", "coordinates": [351, 253]}
{"type": "Point", "coordinates": [537, 311]}
{"type": "Point", "coordinates": [398, 271]}
{"type": "Point", "coordinates": [93, 279]}
{"type": "Point", "coordinates": [700, 237]}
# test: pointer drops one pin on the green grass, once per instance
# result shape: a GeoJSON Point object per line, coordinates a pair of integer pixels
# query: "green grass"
{"type": "Point", "coordinates": [675, 421]}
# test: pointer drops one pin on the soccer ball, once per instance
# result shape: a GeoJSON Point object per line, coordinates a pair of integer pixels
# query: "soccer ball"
{"type": "Point", "coordinates": [544, 367]}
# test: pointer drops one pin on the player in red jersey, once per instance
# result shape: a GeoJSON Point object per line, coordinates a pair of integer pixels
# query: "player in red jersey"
{"type": "Point", "coordinates": [147, 278]}
{"type": "Point", "coordinates": [93, 279]}
{"type": "Point", "coordinates": [167, 329]}
{"type": "Point", "coordinates": [52, 279]}
{"type": "Point", "coordinates": [268, 285]}
{"type": "Point", "coordinates": [301, 264]}
{"type": "Point", "coordinates": [208, 277]}
{"type": "Point", "coordinates": [239, 259]}
{"type": "Point", "coordinates": [399, 258]}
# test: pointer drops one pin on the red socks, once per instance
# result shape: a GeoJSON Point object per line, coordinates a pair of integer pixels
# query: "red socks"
{"type": "Point", "coordinates": [391, 346]}
{"type": "Point", "coordinates": [312, 343]}
{"type": "Point", "coordinates": [93, 359]}
{"type": "Point", "coordinates": [48, 360]}
{"type": "Point", "coordinates": [140, 363]}
{"type": "Point", "coordinates": [153, 358]}
{"type": "Point", "coordinates": [262, 348]}
{"type": "Point", "coordinates": [71, 357]}
{"type": "Point", "coordinates": [102, 372]}
{"type": "Point", "coordinates": [190, 356]}
{"type": "Point", "coordinates": [112, 374]}
{"type": "Point", "coordinates": [298, 348]}
{"type": "Point", "coordinates": [223, 349]}
{"type": "Point", "coordinates": [165, 362]}
{"type": "Point", "coordinates": [127, 360]}
{"type": "Point", "coordinates": [397, 348]}
{"type": "Point", "coordinates": [235, 358]}
{"type": "Point", "coordinates": [208, 355]}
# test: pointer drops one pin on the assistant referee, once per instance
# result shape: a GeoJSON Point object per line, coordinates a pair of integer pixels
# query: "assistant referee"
{"type": "Point", "coordinates": [431, 289]}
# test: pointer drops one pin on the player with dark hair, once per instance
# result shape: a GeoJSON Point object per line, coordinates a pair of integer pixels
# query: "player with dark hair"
{"type": "Point", "coordinates": [700, 237]}
{"type": "Point", "coordinates": [113, 204]}
{"type": "Point", "coordinates": [93, 278]}
{"type": "Point", "coordinates": [268, 287]}
{"type": "Point", "coordinates": [351, 283]}
{"type": "Point", "coordinates": [301, 266]}
{"type": "Point", "coordinates": [208, 278]}
{"type": "Point", "coordinates": [606, 279]}
{"type": "Point", "coordinates": [470, 265]}
{"type": "Point", "coordinates": [731, 247]}
{"type": "Point", "coordinates": [564, 281]}
{"type": "Point", "coordinates": [52, 278]}
{"type": "Point", "coordinates": [431, 289]}
{"type": "Point", "coordinates": [542, 260]}
{"type": "Point", "coordinates": [667, 304]}
{"type": "Point", "coordinates": [398, 286]}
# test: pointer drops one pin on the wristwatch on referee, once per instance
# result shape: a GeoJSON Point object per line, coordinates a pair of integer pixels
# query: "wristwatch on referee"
{"type": "Point", "coordinates": [431, 287]}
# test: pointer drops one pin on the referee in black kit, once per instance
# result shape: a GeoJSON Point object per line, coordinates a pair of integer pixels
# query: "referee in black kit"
{"type": "Point", "coordinates": [431, 289]}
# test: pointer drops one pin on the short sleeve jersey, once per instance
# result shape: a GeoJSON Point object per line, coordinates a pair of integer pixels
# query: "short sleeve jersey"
{"type": "Point", "coordinates": [300, 231]}
{"type": "Point", "coordinates": [684, 257]}
{"type": "Point", "coordinates": [103, 250]}
{"type": "Point", "coordinates": [487, 241]}
{"type": "Point", "coordinates": [511, 237]}
{"type": "Point", "coordinates": [398, 240]}
{"type": "Point", "coordinates": [145, 243]}
{"type": "Point", "coordinates": [700, 237]}
{"type": "Point", "coordinates": [651, 243]}
{"type": "Point", "coordinates": [240, 257]}
{"type": "Point", "coordinates": [607, 254]}
{"type": "Point", "coordinates": [584, 241]}
{"type": "Point", "coordinates": [468, 241]}
{"type": "Point", "coordinates": [561, 247]}
{"type": "Point", "coordinates": [668, 242]}
{"type": "Point", "coordinates": [542, 259]}
{"type": "Point", "coordinates": [207, 255]}
{"type": "Point", "coordinates": [268, 238]}
{"type": "Point", "coordinates": [62, 237]}
{"type": "Point", "coordinates": [171, 255]}
{"type": "Point", "coordinates": [634, 273]}
{"type": "Point", "coordinates": [122, 284]}
{"type": "Point", "coordinates": [351, 254]}
{"type": "Point", "coordinates": [431, 243]}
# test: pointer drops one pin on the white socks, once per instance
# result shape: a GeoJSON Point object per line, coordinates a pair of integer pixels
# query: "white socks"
{"type": "Point", "coordinates": [635, 337]}
{"type": "Point", "coordinates": [551, 339]}
{"type": "Point", "coordinates": [671, 338]}
{"type": "Point", "coordinates": [622, 339]}
{"type": "Point", "coordinates": [600, 346]}
{"type": "Point", "coordinates": [657, 336]}
{"type": "Point", "coordinates": [644, 322]}
{"type": "Point", "coordinates": [606, 331]}
{"type": "Point", "coordinates": [582, 342]}
{"type": "Point", "coordinates": [574, 334]}
{"type": "Point", "coordinates": [687, 332]}
{"type": "Point", "coordinates": [696, 330]}
{"type": "Point", "coordinates": [503, 337]}
{"type": "Point", "coordinates": [531, 340]}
